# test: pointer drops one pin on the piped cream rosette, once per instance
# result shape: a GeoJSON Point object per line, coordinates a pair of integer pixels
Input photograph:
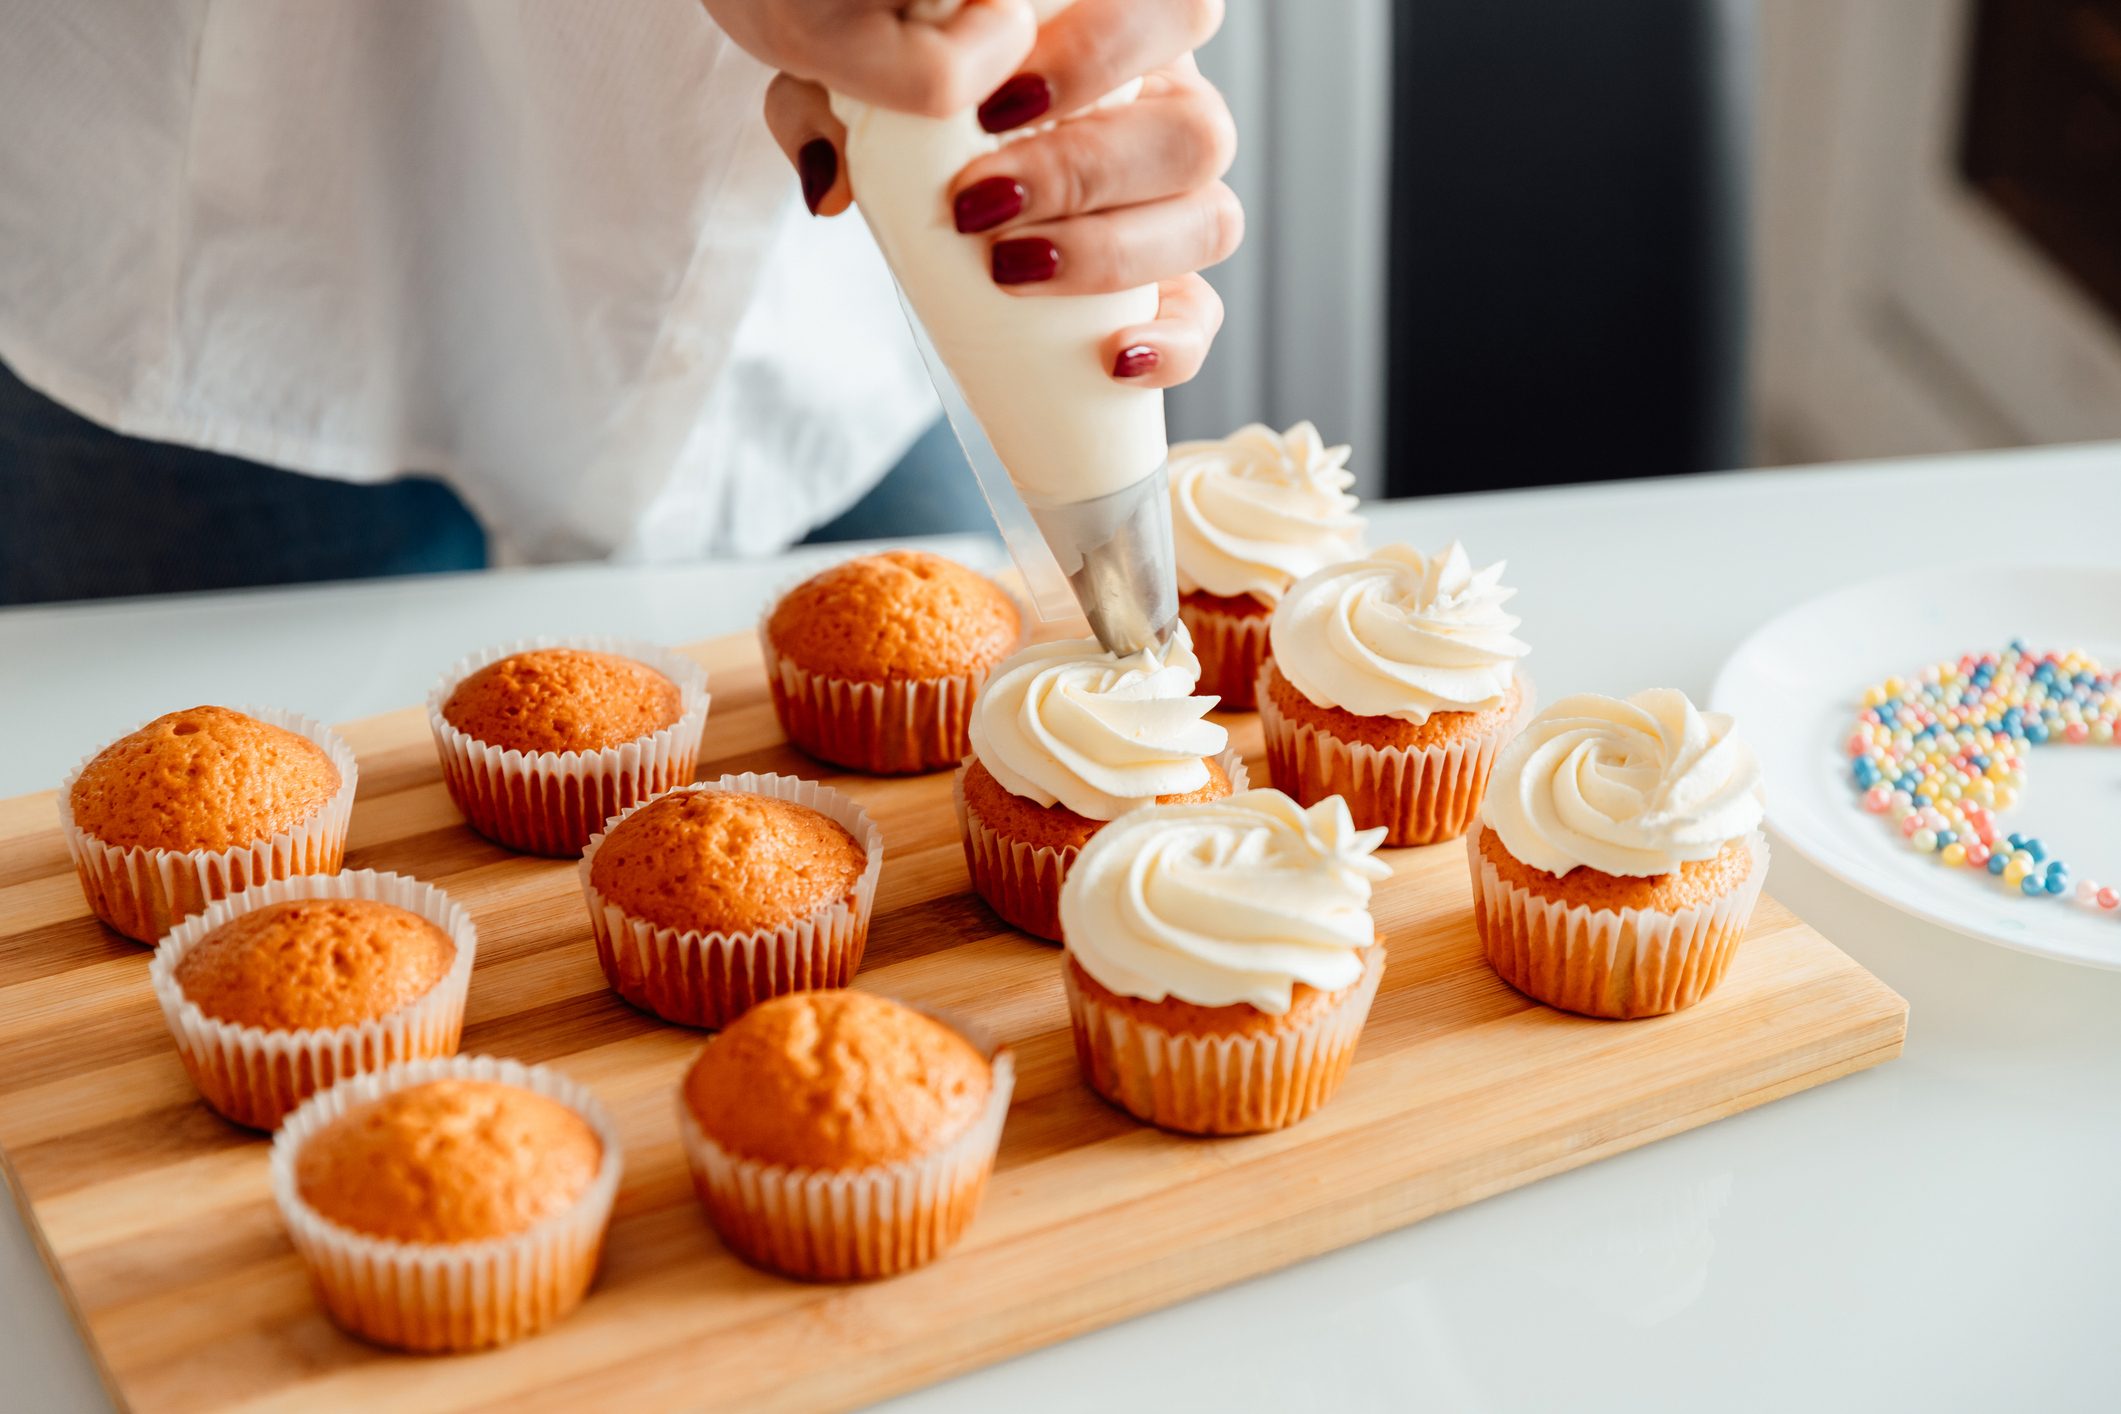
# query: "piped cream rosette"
{"type": "Point", "coordinates": [859, 1224]}
{"type": "Point", "coordinates": [448, 1296]}
{"type": "Point", "coordinates": [1222, 959]}
{"type": "Point", "coordinates": [1601, 801]}
{"type": "Point", "coordinates": [1068, 724]}
{"type": "Point", "coordinates": [255, 1076]}
{"type": "Point", "coordinates": [551, 802]}
{"type": "Point", "coordinates": [707, 978]}
{"type": "Point", "coordinates": [144, 892]}
{"type": "Point", "coordinates": [1252, 513]}
{"type": "Point", "coordinates": [1396, 638]}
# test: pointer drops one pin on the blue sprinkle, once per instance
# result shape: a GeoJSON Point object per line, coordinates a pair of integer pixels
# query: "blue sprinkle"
{"type": "Point", "coordinates": [2032, 886]}
{"type": "Point", "coordinates": [2036, 849]}
{"type": "Point", "coordinates": [1980, 763]}
{"type": "Point", "coordinates": [1921, 801]}
{"type": "Point", "coordinates": [1945, 837]}
{"type": "Point", "coordinates": [2016, 839]}
{"type": "Point", "coordinates": [1998, 862]}
{"type": "Point", "coordinates": [2036, 733]}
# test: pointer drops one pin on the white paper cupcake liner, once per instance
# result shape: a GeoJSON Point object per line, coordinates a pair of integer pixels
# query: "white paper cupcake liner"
{"type": "Point", "coordinates": [143, 892]}
{"type": "Point", "coordinates": [454, 1296]}
{"type": "Point", "coordinates": [1231, 649]}
{"type": "Point", "coordinates": [1020, 881]}
{"type": "Point", "coordinates": [551, 802]}
{"type": "Point", "coordinates": [881, 729]}
{"type": "Point", "coordinates": [254, 1076]}
{"type": "Point", "coordinates": [1610, 962]}
{"type": "Point", "coordinates": [857, 1225]}
{"type": "Point", "coordinates": [698, 978]}
{"type": "Point", "coordinates": [1421, 795]}
{"type": "Point", "coordinates": [1241, 1084]}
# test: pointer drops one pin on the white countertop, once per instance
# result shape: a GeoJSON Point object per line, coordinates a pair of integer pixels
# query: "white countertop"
{"type": "Point", "coordinates": [1940, 1233]}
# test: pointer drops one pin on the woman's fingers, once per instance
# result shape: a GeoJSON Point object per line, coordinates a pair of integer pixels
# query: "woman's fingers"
{"type": "Point", "coordinates": [1169, 349]}
{"type": "Point", "coordinates": [1118, 250]}
{"type": "Point", "coordinates": [1093, 47]}
{"type": "Point", "coordinates": [1176, 138]}
{"type": "Point", "coordinates": [799, 115]}
{"type": "Point", "coordinates": [875, 53]}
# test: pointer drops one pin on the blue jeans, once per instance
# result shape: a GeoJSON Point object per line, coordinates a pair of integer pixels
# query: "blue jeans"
{"type": "Point", "coordinates": [87, 513]}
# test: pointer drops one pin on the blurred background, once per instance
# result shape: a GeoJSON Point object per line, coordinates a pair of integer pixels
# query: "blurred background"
{"type": "Point", "coordinates": [1492, 244]}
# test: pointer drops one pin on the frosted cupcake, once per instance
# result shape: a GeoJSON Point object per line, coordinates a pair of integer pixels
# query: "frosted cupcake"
{"type": "Point", "coordinates": [1619, 855]}
{"type": "Point", "coordinates": [1065, 738]}
{"type": "Point", "coordinates": [1393, 682]}
{"type": "Point", "coordinates": [1221, 960]}
{"type": "Point", "coordinates": [1252, 513]}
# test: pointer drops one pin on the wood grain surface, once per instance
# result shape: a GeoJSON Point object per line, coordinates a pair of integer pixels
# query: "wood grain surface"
{"type": "Point", "coordinates": [156, 1217]}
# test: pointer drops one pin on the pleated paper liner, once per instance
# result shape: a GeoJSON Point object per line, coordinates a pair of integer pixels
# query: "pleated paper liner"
{"type": "Point", "coordinates": [1238, 1084]}
{"type": "Point", "coordinates": [1231, 648]}
{"type": "Point", "coordinates": [699, 978]}
{"type": "Point", "coordinates": [551, 802]}
{"type": "Point", "coordinates": [856, 1224]}
{"type": "Point", "coordinates": [1619, 963]}
{"type": "Point", "coordinates": [143, 892]}
{"type": "Point", "coordinates": [448, 1296]}
{"type": "Point", "coordinates": [255, 1076]}
{"type": "Point", "coordinates": [1022, 881]}
{"type": "Point", "coordinates": [1421, 795]}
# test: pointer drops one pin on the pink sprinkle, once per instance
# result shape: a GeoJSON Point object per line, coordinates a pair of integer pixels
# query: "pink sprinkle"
{"type": "Point", "coordinates": [2109, 899]}
{"type": "Point", "coordinates": [1876, 799]}
{"type": "Point", "coordinates": [2076, 731]}
{"type": "Point", "coordinates": [1858, 744]}
{"type": "Point", "coordinates": [1910, 824]}
{"type": "Point", "coordinates": [1976, 853]}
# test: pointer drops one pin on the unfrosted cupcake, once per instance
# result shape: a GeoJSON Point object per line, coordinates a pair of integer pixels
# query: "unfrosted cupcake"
{"type": "Point", "coordinates": [1393, 683]}
{"type": "Point", "coordinates": [543, 740]}
{"type": "Point", "coordinates": [448, 1205]}
{"type": "Point", "coordinates": [199, 804]}
{"type": "Point", "coordinates": [1252, 513]}
{"type": "Point", "coordinates": [874, 663]}
{"type": "Point", "coordinates": [1221, 959]}
{"type": "Point", "coordinates": [287, 988]}
{"type": "Point", "coordinates": [1620, 854]}
{"type": "Point", "coordinates": [1066, 737]}
{"type": "Point", "coordinates": [708, 900]}
{"type": "Point", "coordinates": [839, 1136]}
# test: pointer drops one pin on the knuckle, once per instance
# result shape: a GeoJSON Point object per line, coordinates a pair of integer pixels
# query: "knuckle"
{"type": "Point", "coordinates": [1203, 18]}
{"type": "Point", "coordinates": [1225, 217]}
{"type": "Point", "coordinates": [1212, 136]}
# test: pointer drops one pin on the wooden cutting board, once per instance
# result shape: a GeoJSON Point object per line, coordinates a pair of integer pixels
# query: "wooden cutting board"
{"type": "Point", "coordinates": [155, 1215]}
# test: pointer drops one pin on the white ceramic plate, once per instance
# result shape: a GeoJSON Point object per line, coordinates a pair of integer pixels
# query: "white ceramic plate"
{"type": "Point", "coordinates": [1794, 688]}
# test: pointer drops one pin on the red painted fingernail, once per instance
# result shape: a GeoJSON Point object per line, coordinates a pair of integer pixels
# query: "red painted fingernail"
{"type": "Point", "coordinates": [1134, 362]}
{"type": "Point", "coordinates": [1025, 260]}
{"type": "Point", "coordinates": [1015, 103]}
{"type": "Point", "coordinates": [818, 164]}
{"type": "Point", "coordinates": [986, 204]}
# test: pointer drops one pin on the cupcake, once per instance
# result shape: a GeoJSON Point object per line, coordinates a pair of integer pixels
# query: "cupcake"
{"type": "Point", "coordinates": [838, 1136]}
{"type": "Point", "coordinates": [1066, 737]}
{"type": "Point", "coordinates": [199, 804]}
{"type": "Point", "coordinates": [448, 1205]}
{"type": "Point", "coordinates": [874, 663]}
{"type": "Point", "coordinates": [542, 741]}
{"type": "Point", "coordinates": [1251, 514]}
{"type": "Point", "coordinates": [1393, 683]}
{"type": "Point", "coordinates": [290, 987]}
{"type": "Point", "coordinates": [708, 900]}
{"type": "Point", "coordinates": [1619, 855]}
{"type": "Point", "coordinates": [1221, 959]}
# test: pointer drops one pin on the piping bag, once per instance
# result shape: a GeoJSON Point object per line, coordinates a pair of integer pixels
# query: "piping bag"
{"type": "Point", "coordinates": [1073, 464]}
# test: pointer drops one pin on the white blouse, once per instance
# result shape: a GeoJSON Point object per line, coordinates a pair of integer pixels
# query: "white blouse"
{"type": "Point", "coordinates": [545, 251]}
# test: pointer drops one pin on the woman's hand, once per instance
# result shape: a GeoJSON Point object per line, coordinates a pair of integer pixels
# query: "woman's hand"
{"type": "Point", "coordinates": [1108, 199]}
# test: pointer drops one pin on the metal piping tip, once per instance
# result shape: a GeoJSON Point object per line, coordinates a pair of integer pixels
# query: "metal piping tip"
{"type": "Point", "coordinates": [1117, 554]}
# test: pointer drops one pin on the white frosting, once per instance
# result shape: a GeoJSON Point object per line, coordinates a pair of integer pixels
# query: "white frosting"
{"type": "Point", "coordinates": [1253, 512]}
{"type": "Point", "coordinates": [1634, 788]}
{"type": "Point", "coordinates": [1030, 366]}
{"type": "Point", "coordinates": [1070, 724]}
{"type": "Point", "coordinates": [1235, 901]}
{"type": "Point", "coordinates": [1399, 635]}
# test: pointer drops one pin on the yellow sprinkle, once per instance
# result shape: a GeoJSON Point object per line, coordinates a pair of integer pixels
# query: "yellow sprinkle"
{"type": "Point", "coordinates": [1955, 854]}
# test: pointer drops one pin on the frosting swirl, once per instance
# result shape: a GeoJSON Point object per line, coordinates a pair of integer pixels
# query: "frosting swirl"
{"type": "Point", "coordinates": [1399, 635]}
{"type": "Point", "coordinates": [1634, 788]}
{"type": "Point", "coordinates": [1068, 723]}
{"type": "Point", "coordinates": [1253, 512]}
{"type": "Point", "coordinates": [1235, 901]}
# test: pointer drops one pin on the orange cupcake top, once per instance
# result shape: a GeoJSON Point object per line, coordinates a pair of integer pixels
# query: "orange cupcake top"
{"type": "Point", "coordinates": [563, 699]}
{"type": "Point", "coordinates": [449, 1161]}
{"type": "Point", "coordinates": [1693, 883]}
{"type": "Point", "coordinates": [901, 615]}
{"type": "Point", "coordinates": [726, 861]}
{"type": "Point", "coordinates": [312, 963]}
{"type": "Point", "coordinates": [836, 1080]}
{"type": "Point", "coordinates": [1056, 826]}
{"type": "Point", "coordinates": [1439, 729]}
{"type": "Point", "coordinates": [207, 778]}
